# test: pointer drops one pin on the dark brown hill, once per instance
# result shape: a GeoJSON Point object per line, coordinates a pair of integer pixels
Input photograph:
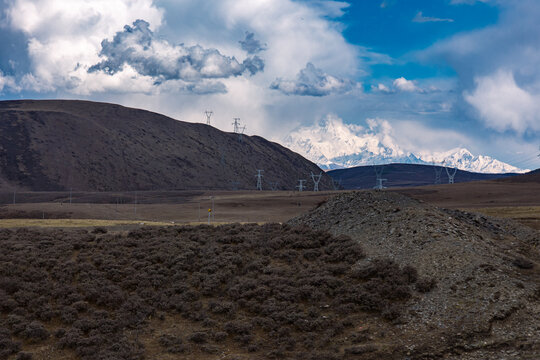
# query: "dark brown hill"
{"type": "Point", "coordinates": [63, 144]}
{"type": "Point", "coordinates": [530, 177]}
{"type": "Point", "coordinates": [404, 175]}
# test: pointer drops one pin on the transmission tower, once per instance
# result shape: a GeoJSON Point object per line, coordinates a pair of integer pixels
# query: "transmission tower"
{"type": "Point", "coordinates": [259, 179]}
{"type": "Point", "coordinates": [316, 180]}
{"type": "Point", "coordinates": [336, 184]}
{"type": "Point", "coordinates": [274, 185]}
{"type": "Point", "coordinates": [238, 129]}
{"type": "Point", "coordinates": [438, 172]}
{"type": "Point", "coordinates": [300, 185]}
{"type": "Point", "coordinates": [236, 125]}
{"type": "Point", "coordinates": [208, 114]}
{"type": "Point", "coordinates": [451, 176]}
{"type": "Point", "coordinates": [235, 185]}
{"type": "Point", "coordinates": [379, 182]}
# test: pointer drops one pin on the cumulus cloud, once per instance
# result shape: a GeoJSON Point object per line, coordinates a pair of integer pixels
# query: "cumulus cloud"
{"type": "Point", "coordinates": [503, 105]}
{"type": "Point", "coordinates": [498, 63]}
{"type": "Point", "coordinates": [403, 84]}
{"type": "Point", "coordinates": [8, 82]}
{"type": "Point", "coordinates": [420, 18]}
{"type": "Point", "coordinates": [312, 81]}
{"type": "Point", "coordinates": [251, 45]}
{"type": "Point", "coordinates": [63, 40]}
{"type": "Point", "coordinates": [138, 47]}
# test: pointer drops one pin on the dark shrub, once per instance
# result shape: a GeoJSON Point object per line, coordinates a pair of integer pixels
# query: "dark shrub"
{"type": "Point", "coordinates": [35, 332]}
{"type": "Point", "coordinates": [425, 285]}
{"type": "Point", "coordinates": [99, 230]}
{"type": "Point", "coordinates": [523, 263]}
{"type": "Point", "coordinates": [198, 337]}
{"type": "Point", "coordinates": [24, 356]}
{"type": "Point", "coordinates": [172, 344]}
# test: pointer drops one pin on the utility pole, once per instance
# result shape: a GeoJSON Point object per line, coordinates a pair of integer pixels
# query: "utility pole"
{"type": "Point", "coordinates": [316, 180]}
{"type": "Point", "coordinates": [212, 210]}
{"type": "Point", "coordinates": [451, 176]}
{"type": "Point", "coordinates": [14, 194]}
{"type": "Point", "coordinates": [300, 186]}
{"type": "Point", "coordinates": [379, 182]}
{"type": "Point", "coordinates": [259, 179]}
{"type": "Point", "coordinates": [208, 114]}
{"type": "Point", "coordinates": [70, 195]}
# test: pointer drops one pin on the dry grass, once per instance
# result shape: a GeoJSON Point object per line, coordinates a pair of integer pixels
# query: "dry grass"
{"type": "Point", "coordinates": [528, 215]}
{"type": "Point", "coordinates": [72, 223]}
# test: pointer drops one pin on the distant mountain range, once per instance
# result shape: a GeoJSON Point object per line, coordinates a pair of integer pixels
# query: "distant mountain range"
{"type": "Point", "coordinates": [89, 146]}
{"type": "Point", "coordinates": [405, 175]}
{"type": "Point", "coordinates": [335, 145]}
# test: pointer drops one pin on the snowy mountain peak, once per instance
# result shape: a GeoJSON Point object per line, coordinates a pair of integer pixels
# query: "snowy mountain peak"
{"type": "Point", "coordinates": [333, 144]}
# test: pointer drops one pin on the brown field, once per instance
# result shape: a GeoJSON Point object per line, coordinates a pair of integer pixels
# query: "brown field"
{"type": "Point", "coordinates": [229, 207]}
{"type": "Point", "coordinates": [518, 201]}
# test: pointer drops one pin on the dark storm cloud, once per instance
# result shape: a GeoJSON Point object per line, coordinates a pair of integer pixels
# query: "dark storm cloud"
{"type": "Point", "coordinates": [138, 47]}
{"type": "Point", "coordinates": [312, 81]}
{"type": "Point", "coordinates": [252, 45]}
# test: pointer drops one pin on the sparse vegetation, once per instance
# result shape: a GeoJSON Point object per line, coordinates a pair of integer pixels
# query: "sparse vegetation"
{"type": "Point", "coordinates": [273, 291]}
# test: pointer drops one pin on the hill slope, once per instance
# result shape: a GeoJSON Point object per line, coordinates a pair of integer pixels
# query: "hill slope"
{"type": "Point", "coordinates": [486, 273]}
{"type": "Point", "coordinates": [398, 175]}
{"type": "Point", "coordinates": [62, 144]}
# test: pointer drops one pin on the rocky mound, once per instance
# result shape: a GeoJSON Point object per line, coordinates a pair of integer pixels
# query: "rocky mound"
{"type": "Point", "coordinates": [487, 296]}
{"type": "Point", "coordinates": [89, 146]}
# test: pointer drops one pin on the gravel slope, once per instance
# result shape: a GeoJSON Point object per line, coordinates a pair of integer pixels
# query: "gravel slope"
{"type": "Point", "coordinates": [486, 303]}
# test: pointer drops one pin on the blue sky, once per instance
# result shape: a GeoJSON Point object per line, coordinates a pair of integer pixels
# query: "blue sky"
{"type": "Point", "coordinates": [443, 73]}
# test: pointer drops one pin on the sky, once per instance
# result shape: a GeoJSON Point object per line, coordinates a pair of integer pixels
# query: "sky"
{"type": "Point", "coordinates": [443, 73]}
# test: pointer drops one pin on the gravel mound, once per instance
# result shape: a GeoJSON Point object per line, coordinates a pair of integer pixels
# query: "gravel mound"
{"type": "Point", "coordinates": [486, 301]}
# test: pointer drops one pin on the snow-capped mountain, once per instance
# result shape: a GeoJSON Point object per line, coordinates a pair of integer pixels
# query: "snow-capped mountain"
{"type": "Point", "coordinates": [333, 145]}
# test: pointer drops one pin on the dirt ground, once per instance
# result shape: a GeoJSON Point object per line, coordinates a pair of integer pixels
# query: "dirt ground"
{"type": "Point", "coordinates": [228, 206]}
{"type": "Point", "coordinates": [517, 201]}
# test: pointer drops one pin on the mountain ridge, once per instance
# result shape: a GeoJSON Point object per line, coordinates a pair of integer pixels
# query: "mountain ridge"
{"type": "Point", "coordinates": [335, 145]}
{"type": "Point", "coordinates": [90, 146]}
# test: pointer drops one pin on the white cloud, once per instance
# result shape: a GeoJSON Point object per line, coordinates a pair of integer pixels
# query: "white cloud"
{"type": "Point", "coordinates": [497, 67]}
{"type": "Point", "coordinates": [64, 38]}
{"type": "Point", "coordinates": [420, 18]}
{"type": "Point", "coordinates": [8, 82]}
{"type": "Point", "coordinates": [503, 105]}
{"type": "Point", "coordinates": [403, 84]}
{"type": "Point", "coordinates": [312, 81]}
{"type": "Point", "coordinates": [138, 47]}
{"type": "Point", "coordinates": [381, 87]}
